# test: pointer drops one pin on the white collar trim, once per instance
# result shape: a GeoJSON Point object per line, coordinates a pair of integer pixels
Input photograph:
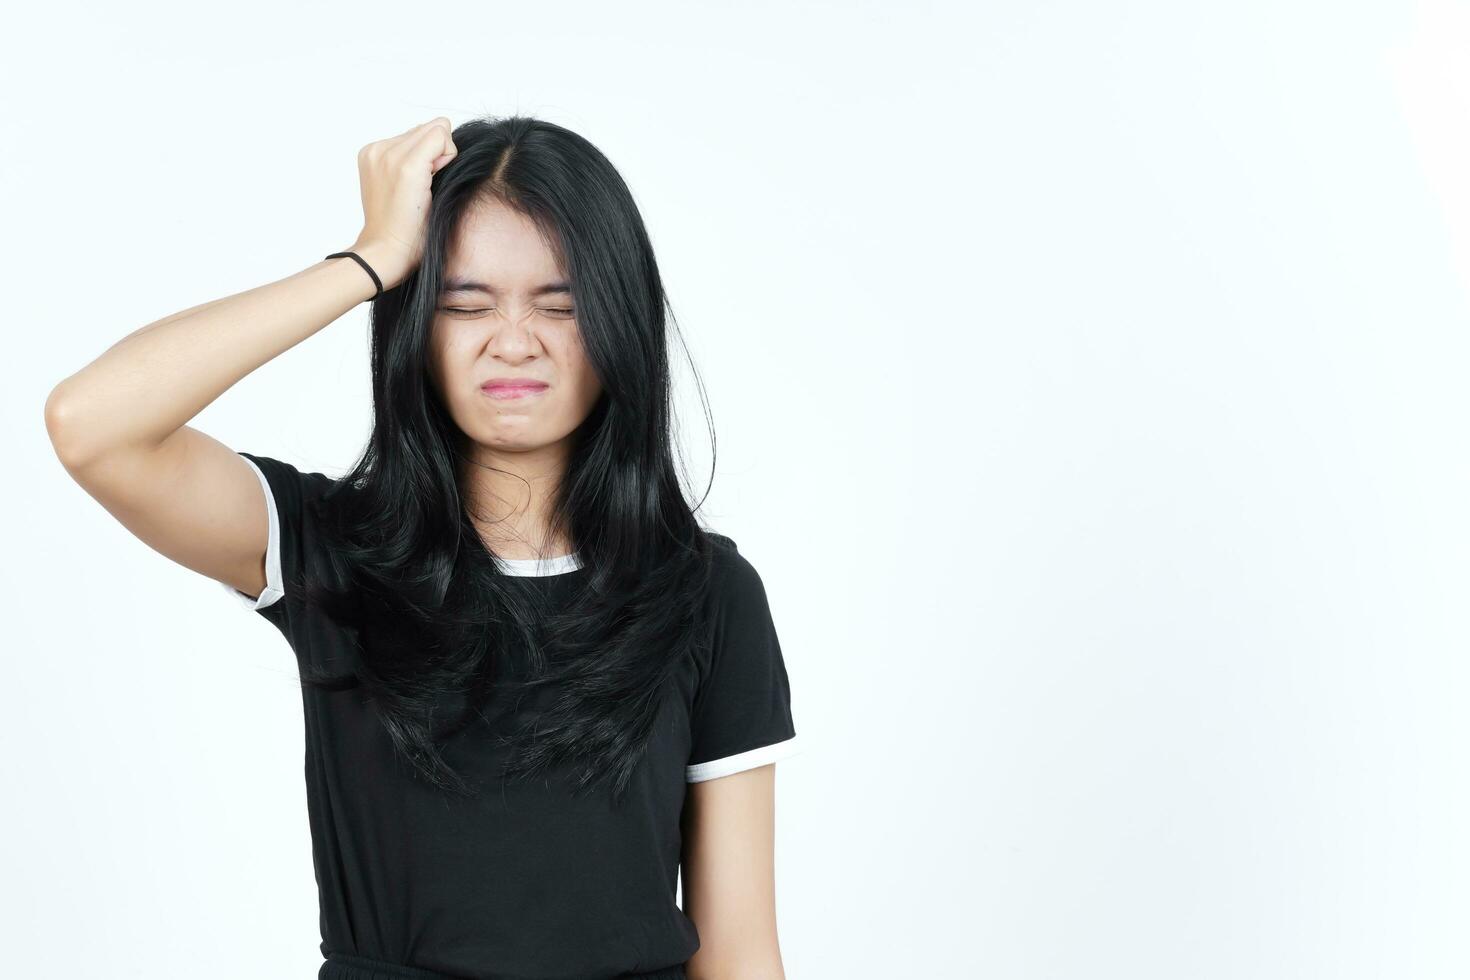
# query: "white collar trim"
{"type": "Point", "coordinates": [539, 566]}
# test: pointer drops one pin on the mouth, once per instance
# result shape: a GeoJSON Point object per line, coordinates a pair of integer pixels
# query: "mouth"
{"type": "Point", "coordinates": [513, 389]}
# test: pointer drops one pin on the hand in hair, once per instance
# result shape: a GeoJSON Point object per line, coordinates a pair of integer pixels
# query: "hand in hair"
{"type": "Point", "coordinates": [396, 174]}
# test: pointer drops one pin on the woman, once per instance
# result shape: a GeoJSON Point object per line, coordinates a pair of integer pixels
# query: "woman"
{"type": "Point", "coordinates": [535, 689]}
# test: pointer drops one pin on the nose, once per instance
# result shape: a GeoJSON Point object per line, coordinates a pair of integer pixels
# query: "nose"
{"type": "Point", "coordinates": [511, 341]}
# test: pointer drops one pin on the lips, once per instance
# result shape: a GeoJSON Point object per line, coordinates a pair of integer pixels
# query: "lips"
{"type": "Point", "coordinates": [512, 388]}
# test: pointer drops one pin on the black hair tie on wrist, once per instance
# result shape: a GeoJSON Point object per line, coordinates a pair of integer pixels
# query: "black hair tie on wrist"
{"type": "Point", "coordinates": [362, 262]}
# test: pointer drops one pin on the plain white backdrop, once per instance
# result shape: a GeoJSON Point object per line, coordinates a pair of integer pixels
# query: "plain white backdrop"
{"type": "Point", "coordinates": [1089, 384]}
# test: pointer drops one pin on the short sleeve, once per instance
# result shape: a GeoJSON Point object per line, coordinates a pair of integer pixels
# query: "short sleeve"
{"type": "Point", "coordinates": [287, 491]}
{"type": "Point", "coordinates": [741, 716]}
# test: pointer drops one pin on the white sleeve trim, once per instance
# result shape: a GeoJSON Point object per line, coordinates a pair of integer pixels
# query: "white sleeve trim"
{"type": "Point", "coordinates": [741, 761]}
{"type": "Point", "coordinates": [274, 589]}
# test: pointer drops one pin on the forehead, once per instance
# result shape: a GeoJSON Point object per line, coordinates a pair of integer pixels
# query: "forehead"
{"type": "Point", "coordinates": [501, 249]}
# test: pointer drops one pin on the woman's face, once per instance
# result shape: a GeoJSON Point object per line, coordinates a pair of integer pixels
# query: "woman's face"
{"type": "Point", "coordinates": [506, 315]}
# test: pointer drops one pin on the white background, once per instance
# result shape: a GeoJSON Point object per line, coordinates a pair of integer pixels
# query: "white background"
{"type": "Point", "coordinates": [1089, 382]}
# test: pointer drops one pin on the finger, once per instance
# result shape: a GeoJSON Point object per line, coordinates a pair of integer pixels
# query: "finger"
{"type": "Point", "coordinates": [435, 141]}
{"type": "Point", "coordinates": [413, 132]}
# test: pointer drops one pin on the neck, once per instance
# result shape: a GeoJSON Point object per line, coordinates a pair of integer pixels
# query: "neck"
{"type": "Point", "coordinates": [508, 498]}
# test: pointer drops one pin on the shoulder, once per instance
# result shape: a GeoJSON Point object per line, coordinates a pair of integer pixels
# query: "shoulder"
{"type": "Point", "coordinates": [301, 521]}
{"type": "Point", "coordinates": [734, 579]}
{"type": "Point", "coordinates": [728, 565]}
{"type": "Point", "coordinates": [288, 472]}
{"type": "Point", "coordinates": [290, 486]}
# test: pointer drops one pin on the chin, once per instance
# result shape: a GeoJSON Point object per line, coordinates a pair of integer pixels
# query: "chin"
{"type": "Point", "coordinates": [510, 442]}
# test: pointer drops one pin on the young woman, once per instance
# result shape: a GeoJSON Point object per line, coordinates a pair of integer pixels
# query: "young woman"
{"type": "Point", "coordinates": [535, 689]}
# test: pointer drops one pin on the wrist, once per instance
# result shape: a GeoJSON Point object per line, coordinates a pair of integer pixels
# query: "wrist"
{"type": "Point", "coordinates": [364, 279]}
{"type": "Point", "coordinates": [386, 258]}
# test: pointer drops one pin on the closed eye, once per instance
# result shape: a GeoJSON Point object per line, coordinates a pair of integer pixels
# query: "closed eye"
{"type": "Point", "coordinates": [558, 312]}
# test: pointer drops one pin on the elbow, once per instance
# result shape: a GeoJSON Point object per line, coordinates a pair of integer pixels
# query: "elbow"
{"type": "Point", "coordinates": [756, 972]}
{"type": "Point", "coordinates": [62, 428]}
{"type": "Point", "coordinates": [754, 966]}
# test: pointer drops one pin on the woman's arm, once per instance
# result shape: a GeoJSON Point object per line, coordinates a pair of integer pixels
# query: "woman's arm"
{"type": "Point", "coordinates": [728, 876]}
{"type": "Point", "coordinates": [118, 424]}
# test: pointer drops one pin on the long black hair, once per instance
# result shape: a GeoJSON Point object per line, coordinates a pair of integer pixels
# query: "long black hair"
{"type": "Point", "coordinates": [430, 608]}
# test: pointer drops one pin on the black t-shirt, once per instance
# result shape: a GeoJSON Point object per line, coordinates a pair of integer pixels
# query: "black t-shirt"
{"type": "Point", "coordinates": [530, 880]}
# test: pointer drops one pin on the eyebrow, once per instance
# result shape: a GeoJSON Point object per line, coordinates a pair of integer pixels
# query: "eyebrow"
{"type": "Point", "coordinates": [458, 284]}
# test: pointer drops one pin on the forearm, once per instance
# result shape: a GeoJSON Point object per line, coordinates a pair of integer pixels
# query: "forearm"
{"type": "Point", "coordinates": [153, 381]}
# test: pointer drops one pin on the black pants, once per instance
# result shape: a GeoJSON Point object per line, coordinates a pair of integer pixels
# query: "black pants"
{"type": "Point", "coordinates": [342, 966]}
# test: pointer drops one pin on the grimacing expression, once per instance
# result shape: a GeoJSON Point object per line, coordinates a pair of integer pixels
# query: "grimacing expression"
{"type": "Point", "coordinates": [506, 312]}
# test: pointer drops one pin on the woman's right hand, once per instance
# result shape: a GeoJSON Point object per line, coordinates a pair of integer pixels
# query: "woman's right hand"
{"type": "Point", "coordinates": [395, 175]}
